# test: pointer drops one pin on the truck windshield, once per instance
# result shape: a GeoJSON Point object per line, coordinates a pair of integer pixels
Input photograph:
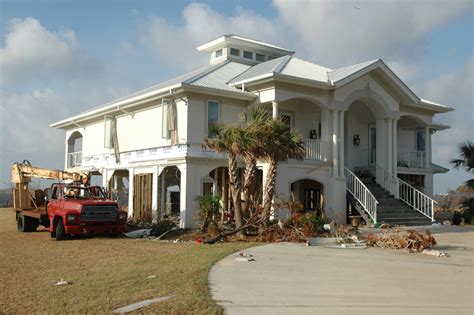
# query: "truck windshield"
{"type": "Point", "coordinates": [76, 192]}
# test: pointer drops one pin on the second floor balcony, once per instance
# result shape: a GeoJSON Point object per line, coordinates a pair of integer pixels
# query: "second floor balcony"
{"type": "Point", "coordinates": [316, 150]}
{"type": "Point", "coordinates": [412, 159]}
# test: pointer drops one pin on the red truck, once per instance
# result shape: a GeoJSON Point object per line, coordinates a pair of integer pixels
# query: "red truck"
{"type": "Point", "coordinates": [64, 209]}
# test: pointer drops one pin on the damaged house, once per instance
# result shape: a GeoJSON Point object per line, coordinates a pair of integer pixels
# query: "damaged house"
{"type": "Point", "coordinates": [367, 136]}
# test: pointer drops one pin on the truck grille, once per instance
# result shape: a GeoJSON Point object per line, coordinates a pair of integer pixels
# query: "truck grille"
{"type": "Point", "coordinates": [99, 213]}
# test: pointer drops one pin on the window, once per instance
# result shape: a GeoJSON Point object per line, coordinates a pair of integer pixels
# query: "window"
{"type": "Point", "coordinates": [165, 133]}
{"type": "Point", "coordinates": [235, 52]}
{"type": "Point", "coordinates": [420, 140]}
{"type": "Point", "coordinates": [218, 53]}
{"type": "Point", "coordinates": [108, 131]}
{"type": "Point", "coordinates": [286, 119]}
{"type": "Point", "coordinates": [260, 57]}
{"type": "Point", "coordinates": [248, 55]}
{"type": "Point", "coordinates": [212, 116]}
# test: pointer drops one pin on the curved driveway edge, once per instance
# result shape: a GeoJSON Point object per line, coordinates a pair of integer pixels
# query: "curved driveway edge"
{"type": "Point", "coordinates": [295, 279]}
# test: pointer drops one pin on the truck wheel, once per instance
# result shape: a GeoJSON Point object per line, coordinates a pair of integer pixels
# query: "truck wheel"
{"type": "Point", "coordinates": [20, 223]}
{"type": "Point", "coordinates": [26, 224]}
{"type": "Point", "coordinates": [59, 231]}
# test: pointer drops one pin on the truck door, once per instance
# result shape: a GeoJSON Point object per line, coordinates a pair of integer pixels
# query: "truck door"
{"type": "Point", "coordinates": [53, 203]}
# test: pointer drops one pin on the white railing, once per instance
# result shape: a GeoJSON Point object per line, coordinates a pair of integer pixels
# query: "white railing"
{"type": "Point", "coordinates": [405, 192]}
{"type": "Point", "coordinates": [74, 159]}
{"type": "Point", "coordinates": [416, 199]}
{"type": "Point", "coordinates": [361, 193]}
{"type": "Point", "coordinates": [411, 159]}
{"type": "Point", "coordinates": [315, 149]}
{"type": "Point", "coordinates": [387, 180]}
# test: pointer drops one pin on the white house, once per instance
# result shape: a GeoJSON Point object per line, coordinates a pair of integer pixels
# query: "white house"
{"type": "Point", "coordinates": [355, 121]}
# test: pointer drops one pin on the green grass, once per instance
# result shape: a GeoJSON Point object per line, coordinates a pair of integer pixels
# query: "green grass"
{"type": "Point", "coordinates": [106, 273]}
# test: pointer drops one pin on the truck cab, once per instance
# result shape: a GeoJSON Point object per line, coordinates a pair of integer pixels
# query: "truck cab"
{"type": "Point", "coordinates": [74, 209]}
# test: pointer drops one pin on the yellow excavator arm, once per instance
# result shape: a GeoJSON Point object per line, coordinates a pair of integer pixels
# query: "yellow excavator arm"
{"type": "Point", "coordinates": [23, 172]}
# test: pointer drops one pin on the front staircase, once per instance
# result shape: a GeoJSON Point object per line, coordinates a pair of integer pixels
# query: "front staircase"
{"type": "Point", "coordinates": [393, 211]}
{"type": "Point", "coordinates": [377, 205]}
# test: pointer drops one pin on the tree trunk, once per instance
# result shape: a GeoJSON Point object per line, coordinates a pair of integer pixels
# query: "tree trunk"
{"type": "Point", "coordinates": [249, 182]}
{"type": "Point", "coordinates": [235, 190]}
{"type": "Point", "coordinates": [269, 189]}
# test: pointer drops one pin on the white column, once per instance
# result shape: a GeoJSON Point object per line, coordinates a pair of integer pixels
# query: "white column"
{"type": "Point", "coordinates": [131, 182]}
{"type": "Point", "coordinates": [275, 109]}
{"type": "Point", "coordinates": [394, 147]}
{"type": "Point", "coordinates": [66, 150]}
{"type": "Point", "coordinates": [335, 155]}
{"type": "Point", "coordinates": [388, 145]}
{"type": "Point", "coordinates": [325, 133]}
{"type": "Point", "coordinates": [154, 196]}
{"type": "Point", "coordinates": [105, 178]}
{"type": "Point", "coordinates": [341, 142]}
{"type": "Point", "coordinates": [190, 187]}
{"type": "Point", "coordinates": [380, 146]}
{"type": "Point", "coordinates": [162, 198]}
{"type": "Point", "coordinates": [427, 147]}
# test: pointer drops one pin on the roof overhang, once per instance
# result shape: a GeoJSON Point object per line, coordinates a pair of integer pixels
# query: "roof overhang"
{"type": "Point", "coordinates": [126, 105]}
{"type": "Point", "coordinates": [242, 42]}
{"type": "Point", "coordinates": [278, 77]}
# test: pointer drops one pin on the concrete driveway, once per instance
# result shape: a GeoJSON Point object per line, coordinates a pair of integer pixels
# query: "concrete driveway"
{"type": "Point", "coordinates": [294, 278]}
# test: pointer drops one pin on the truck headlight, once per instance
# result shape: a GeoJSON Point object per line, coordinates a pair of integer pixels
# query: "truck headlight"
{"type": "Point", "coordinates": [122, 216]}
{"type": "Point", "coordinates": [70, 217]}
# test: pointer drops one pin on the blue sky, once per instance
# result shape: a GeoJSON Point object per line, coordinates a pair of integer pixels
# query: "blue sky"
{"type": "Point", "coordinates": [58, 58]}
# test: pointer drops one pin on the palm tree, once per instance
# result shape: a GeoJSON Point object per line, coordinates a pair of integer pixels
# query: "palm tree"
{"type": "Point", "coordinates": [466, 160]}
{"type": "Point", "coordinates": [254, 120]}
{"type": "Point", "coordinates": [279, 143]}
{"type": "Point", "coordinates": [228, 140]}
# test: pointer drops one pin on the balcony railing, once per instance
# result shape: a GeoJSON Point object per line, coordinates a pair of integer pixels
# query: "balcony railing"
{"type": "Point", "coordinates": [74, 159]}
{"type": "Point", "coordinates": [316, 149]}
{"type": "Point", "coordinates": [411, 159]}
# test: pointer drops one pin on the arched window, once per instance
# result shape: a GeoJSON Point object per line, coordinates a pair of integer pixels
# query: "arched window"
{"type": "Point", "coordinates": [74, 150]}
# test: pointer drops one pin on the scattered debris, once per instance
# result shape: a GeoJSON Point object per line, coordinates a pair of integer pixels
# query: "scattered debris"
{"type": "Point", "coordinates": [436, 224]}
{"type": "Point", "coordinates": [138, 233]}
{"type": "Point", "coordinates": [385, 226]}
{"type": "Point", "coordinates": [138, 305]}
{"type": "Point", "coordinates": [410, 239]}
{"type": "Point", "coordinates": [447, 222]}
{"type": "Point", "coordinates": [62, 282]}
{"type": "Point", "coordinates": [244, 256]}
{"type": "Point", "coordinates": [178, 241]}
{"type": "Point", "coordinates": [151, 277]}
{"type": "Point", "coordinates": [164, 234]}
{"type": "Point", "coordinates": [435, 253]}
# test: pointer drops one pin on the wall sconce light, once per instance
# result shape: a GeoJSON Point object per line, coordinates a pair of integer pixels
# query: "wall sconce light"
{"type": "Point", "coordinates": [356, 140]}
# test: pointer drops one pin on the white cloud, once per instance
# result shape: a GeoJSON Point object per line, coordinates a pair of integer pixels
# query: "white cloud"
{"type": "Point", "coordinates": [338, 33]}
{"type": "Point", "coordinates": [33, 53]}
{"type": "Point", "coordinates": [177, 44]}
{"type": "Point", "coordinates": [24, 118]}
{"type": "Point", "coordinates": [456, 90]}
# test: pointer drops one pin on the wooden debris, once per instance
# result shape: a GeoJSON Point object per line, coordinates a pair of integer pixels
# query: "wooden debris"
{"type": "Point", "coordinates": [138, 305]}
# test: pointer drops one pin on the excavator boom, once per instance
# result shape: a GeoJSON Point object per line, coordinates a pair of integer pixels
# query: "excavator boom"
{"type": "Point", "coordinates": [23, 172]}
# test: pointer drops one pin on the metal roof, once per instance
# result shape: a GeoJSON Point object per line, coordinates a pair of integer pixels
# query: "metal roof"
{"type": "Point", "coordinates": [304, 69]}
{"type": "Point", "coordinates": [218, 78]}
{"type": "Point", "coordinates": [341, 73]}
{"type": "Point", "coordinates": [263, 68]}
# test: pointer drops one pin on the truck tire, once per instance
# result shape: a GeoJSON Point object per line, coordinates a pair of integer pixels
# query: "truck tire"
{"type": "Point", "coordinates": [26, 224]}
{"type": "Point", "coordinates": [60, 233]}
